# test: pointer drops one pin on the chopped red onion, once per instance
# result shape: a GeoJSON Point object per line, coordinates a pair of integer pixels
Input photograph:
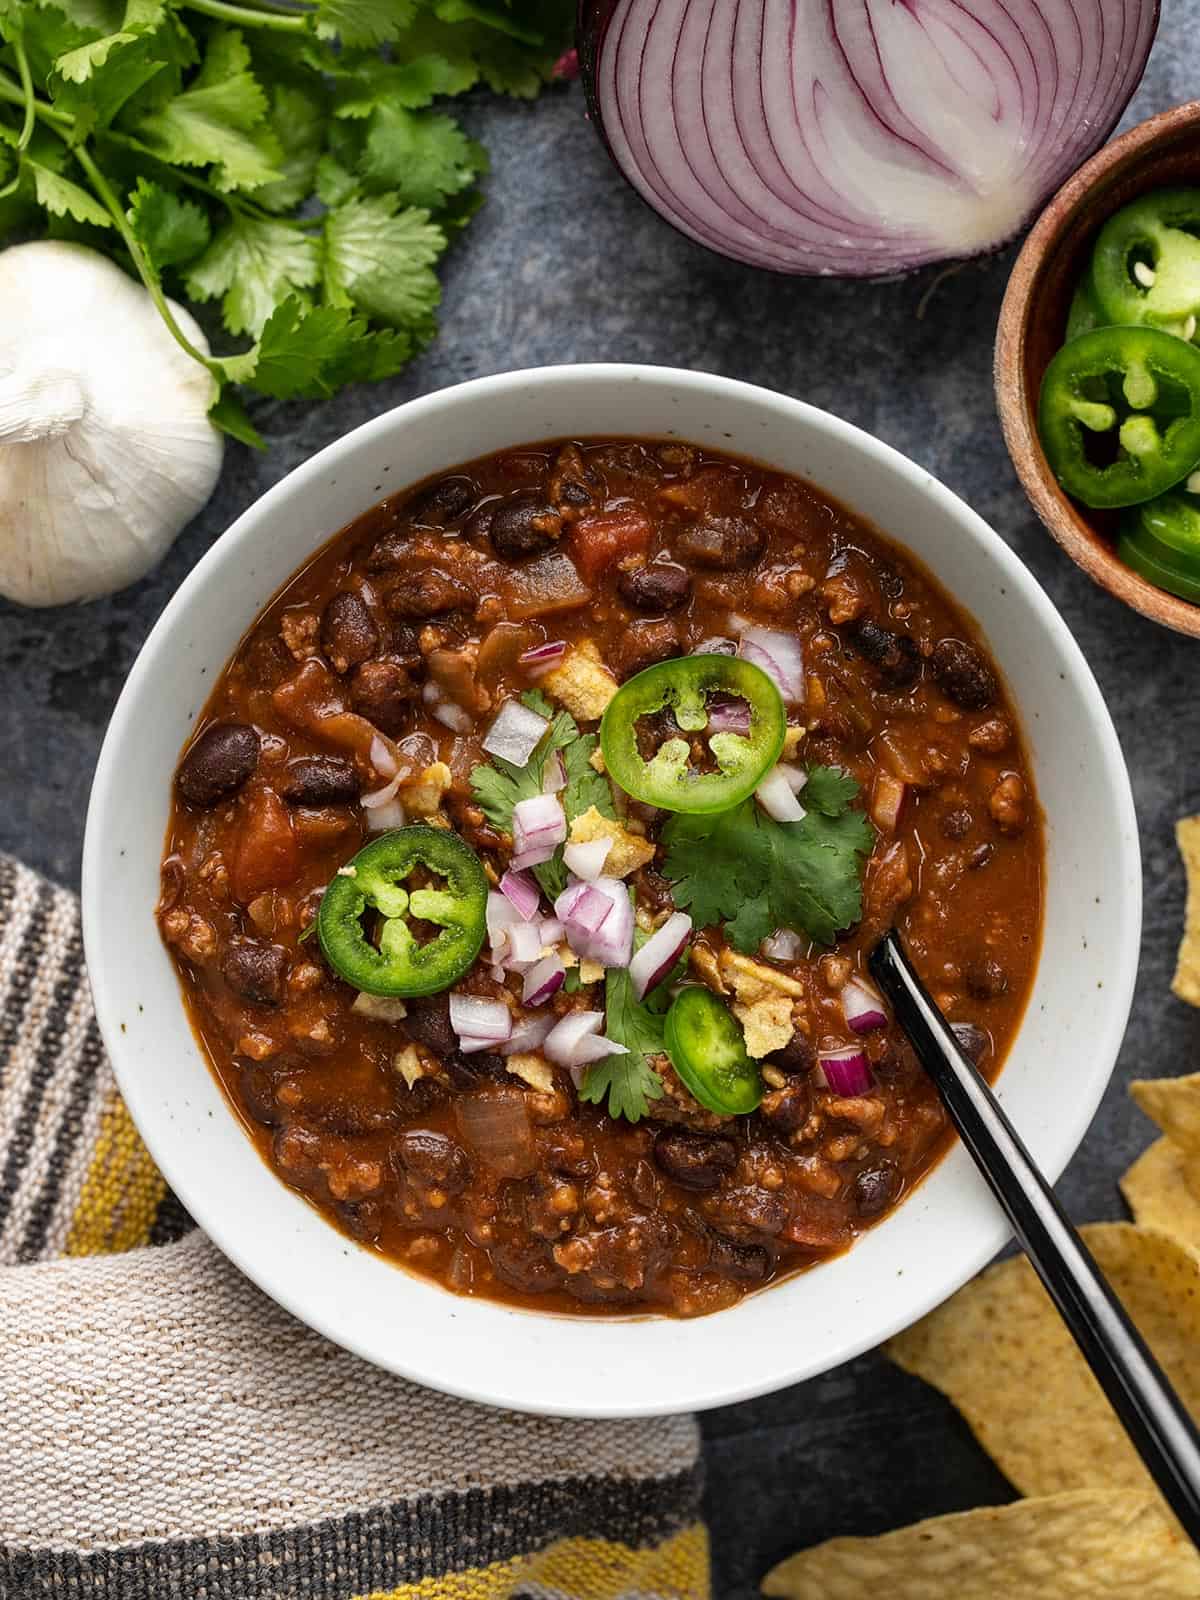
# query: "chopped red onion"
{"type": "Point", "coordinates": [796, 776]}
{"type": "Point", "coordinates": [612, 943]}
{"type": "Point", "coordinates": [524, 945]}
{"type": "Point", "coordinates": [554, 775]}
{"type": "Point", "coordinates": [524, 894]}
{"type": "Point", "coordinates": [381, 797]}
{"type": "Point", "coordinates": [576, 1040]}
{"type": "Point", "coordinates": [542, 657]}
{"type": "Point", "coordinates": [383, 757]}
{"type": "Point", "coordinates": [551, 930]}
{"type": "Point", "coordinates": [844, 1072]}
{"type": "Point", "coordinates": [658, 955]}
{"type": "Point", "coordinates": [385, 817]}
{"type": "Point", "coordinates": [777, 798]}
{"type": "Point", "coordinates": [888, 795]}
{"type": "Point", "coordinates": [431, 693]}
{"type": "Point", "coordinates": [862, 1007]}
{"type": "Point", "coordinates": [478, 1020]}
{"type": "Point", "coordinates": [539, 826]}
{"type": "Point", "coordinates": [543, 980]}
{"type": "Point", "coordinates": [529, 1032]}
{"type": "Point", "coordinates": [454, 717]}
{"type": "Point", "coordinates": [785, 944]}
{"type": "Point", "coordinates": [586, 861]}
{"type": "Point", "coordinates": [781, 657]}
{"type": "Point", "coordinates": [583, 908]}
{"type": "Point", "coordinates": [515, 733]}
{"type": "Point", "coordinates": [728, 716]}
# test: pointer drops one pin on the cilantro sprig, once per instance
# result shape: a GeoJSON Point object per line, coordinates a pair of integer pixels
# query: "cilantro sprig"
{"type": "Point", "coordinates": [498, 786]}
{"type": "Point", "coordinates": [266, 157]}
{"type": "Point", "coordinates": [754, 875]}
{"type": "Point", "coordinates": [628, 1082]}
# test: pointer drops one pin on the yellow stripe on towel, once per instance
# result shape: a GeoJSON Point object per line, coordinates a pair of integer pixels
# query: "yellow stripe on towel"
{"type": "Point", "coordinates": [121, 1193]}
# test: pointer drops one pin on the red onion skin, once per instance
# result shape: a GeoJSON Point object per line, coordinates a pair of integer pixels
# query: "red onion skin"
{"type": "Point", "coordinates": [596, 16]}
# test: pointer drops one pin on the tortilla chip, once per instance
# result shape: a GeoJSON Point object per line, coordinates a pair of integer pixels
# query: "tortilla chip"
{"type": "Point", "coordinates": [1000, 1352]}
{"type": "Point", "coordinates": [754, 980]}
{"type": "Point", "coordinates": [1187, 971]}
{"type": "Point", "coordinates": [532, 1069]}
{"type": "Point", "coordinates": [1174, 1103]}
{"type": "Point", "coordinates": [581, 682]}
{"type": "Point", "coordinates": [1083, 1546]}
{"type": "Point", "coordinates": [1162, 1189]}
{"type": "Point", "coordinates": [423, 795]}
{"type": "Point", "coordinates": [627, 852]}
{"type": "Point", "coordinates": [767, 1025]}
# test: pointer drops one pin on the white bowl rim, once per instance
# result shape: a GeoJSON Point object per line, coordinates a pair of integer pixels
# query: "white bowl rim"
{"type": "Point", "coordinates": [486, 1388]}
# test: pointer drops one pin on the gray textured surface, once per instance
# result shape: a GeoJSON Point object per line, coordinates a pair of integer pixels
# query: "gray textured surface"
{"type": "Point", "coordinates": [565, 265]}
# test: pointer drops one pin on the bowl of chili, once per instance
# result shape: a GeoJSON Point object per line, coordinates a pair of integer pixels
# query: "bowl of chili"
{"type": "Point", "coordinates": [520, 1351]}
{"type": "Point", "coordinates": [1147, 558]}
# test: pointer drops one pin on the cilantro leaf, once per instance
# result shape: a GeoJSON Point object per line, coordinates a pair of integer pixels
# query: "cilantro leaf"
{"type": "Point", "coordinates": [363, 22]}
{"type": "Point", "coordinates": [627, 1082]}
{"type": "Point", "coordinates": [297, 119]}
{"type": "Point", "coordinates": [499, 786]}
{"type": "Point", "coordinates": [421, 156]}
{"type": "Point", "coordinates": [413, 84]}
{"type": "Point", "coordinates": [254, 264]}
{"type": "Point", "coordinates": [62, 198]}
{"type": "Point", "coordinates": [219, 119]}
{"type": "Point", "coordinates": [169, 229]}
{"type": "Point", "coordinates": [753, 874]}
{"type": "Point", "coordinates": [306, 352]}
{"type": "Point", "coordinates": [140, 17]}
{"type": "Point", "coordinates": [228, 413]}
{"type": "Point", "coordinates": [381, 259]}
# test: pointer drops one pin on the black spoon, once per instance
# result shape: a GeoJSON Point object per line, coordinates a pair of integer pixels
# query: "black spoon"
{"type": "Point", "coordinates": [1137, 1388]}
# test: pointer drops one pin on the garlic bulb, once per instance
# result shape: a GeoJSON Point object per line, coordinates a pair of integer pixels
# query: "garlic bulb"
{"type": "Point", "coordinates": [106, 450]}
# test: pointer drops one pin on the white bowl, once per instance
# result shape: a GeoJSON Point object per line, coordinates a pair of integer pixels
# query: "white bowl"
{"type": "Point", "coordinates": [602, 1367]}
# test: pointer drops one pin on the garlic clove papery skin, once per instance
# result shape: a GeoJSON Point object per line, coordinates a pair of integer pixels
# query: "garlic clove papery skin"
{"type": "Point", "coordinates": [106, 450]}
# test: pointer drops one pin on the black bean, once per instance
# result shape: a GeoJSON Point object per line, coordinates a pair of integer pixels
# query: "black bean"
{"type": "Point", "coordinates": [894, 654]}
{"type": "Point", "coordinates": [442, 502]}
{"type": "Point", "coordinates": [661, 586]}
{"type": "Point", "coordinates": [745, 1263]}
{"type": "Point", "coordinates": [348, 635]}
{"type": "Point", "coordinates": [980, 856]}
{"type": "Point", "coordinates": [218, 764]}
{"type": "Point", "coordinates": [257, 1088]}
{"type": "Point", "coordinates": [796, 1056]}
{"type": "Point", "coordinates": [724, 543]}
{"type": "Point", "coordinates": [973, 1041]}
{"type": "Point", "coordinates": [963, 675]}
{"type": "Point", "coordinates": [390, 552]}
{"type": "Point", "coordinates": [644, 644]}
{"type": "Point", "coordinates": [320, 781]}
{"type": "Point", "coordinates": [956, 824]}
{"type": "Point", "coordinates": [429, 594]}
{"type": "Point", "coordinates": [875, 1189]}
{"type": "Point", "coordinates": [428, 1023]}
{"type": "Point", "coordinates": [470, 1071]}
{"type": "Point", "coordinates": [519, 526]}
{"type": "Point", "coordinates": [786, 1110]}
{"type": "Point", "coordinates": [694, 1160]}
{"type": "Point", "coordinates": [986, 980]}
{"type": "Point", "coordinates": [433, 1158]}
{"type": "Point", "coordinates": [383, 691]}
{"type": "Point", "coordinates": [255, 970]}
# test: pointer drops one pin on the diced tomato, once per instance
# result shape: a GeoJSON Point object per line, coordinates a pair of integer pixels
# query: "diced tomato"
{"type": "Point", "coordinates": [599, 542]}
{"type": "Point", "coordinates": [267, 854]}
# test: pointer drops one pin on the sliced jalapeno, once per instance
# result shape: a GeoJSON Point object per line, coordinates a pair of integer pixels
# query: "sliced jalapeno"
{"type": "Point", "coordinates": [363, 922]}
{"type": "Point", "coordinates": [689, 690]}
{"type": "Point", "coordinates": [708, 1052]}
{"type": "Point", "coordinates": [1161, 540]}
{"type": "Point", "coordinates": [1146, 263]}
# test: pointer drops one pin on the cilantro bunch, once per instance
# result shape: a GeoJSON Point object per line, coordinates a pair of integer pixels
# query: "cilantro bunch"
{"type": "Point", "coordinates": [268, 156]}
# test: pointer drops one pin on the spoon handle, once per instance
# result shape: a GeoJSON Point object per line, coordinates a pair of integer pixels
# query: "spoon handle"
{"type": "Point", "coordinates": [1136, 1386]}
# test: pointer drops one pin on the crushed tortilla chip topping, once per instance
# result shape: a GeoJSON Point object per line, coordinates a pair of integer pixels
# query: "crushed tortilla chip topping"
{"type": "Point", "coordinates": [754, 980]}
{"type": "Point", "coordinates": [767, 1024]}
{"type": "Point", "coordinates": [411, 1065]}
{"type": "Point", "coordinates": [627, 852]}
{"type": "Point", "coordinates": [532, 1069]}
{"type": "Point", "coordinates": [1089, 1545]}
{"type": "Point", "coordinates": [1187, 971]}
{"type": "Point", "coordinates": [423, 795]}
{"type": "Point", "coordinates": [581, 682]}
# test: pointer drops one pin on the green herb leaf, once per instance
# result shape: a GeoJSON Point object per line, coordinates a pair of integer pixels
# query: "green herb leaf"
{"type": "Point", "coordinates": [62, 198]}
{"type": "Point", "coordinates": [419, 156]}
{"type": "Point", "coordinates": [306, 352]}
{"type": "Point", "coordinates": [363, 22]}
{"type": "Point", "coordinates": [629, 1083]}
{"type": "Point", "coordinates": [255, 264]}
{"type": "Point", "coordinates": [753, 874]}
{"type": "Point", "coordinates": [380, 259]}
{"type": "Point", "coordinates": [228, 413]}
{"type": "Point", "coordinates": [297, 119]}
{"type": "Point", "coordinates": [170, 230]}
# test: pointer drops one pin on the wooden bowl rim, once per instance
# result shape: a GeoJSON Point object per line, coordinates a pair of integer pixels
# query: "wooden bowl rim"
{"type": "Point", "coordinates": [1060, 517]}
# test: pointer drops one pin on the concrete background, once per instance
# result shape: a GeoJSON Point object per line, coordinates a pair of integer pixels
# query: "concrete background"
{"type": "Point", "coordinates": [564, 264]}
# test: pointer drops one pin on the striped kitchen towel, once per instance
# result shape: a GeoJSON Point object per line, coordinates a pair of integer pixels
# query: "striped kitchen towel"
{"type": "Point", "coordinates": [167, 1431]}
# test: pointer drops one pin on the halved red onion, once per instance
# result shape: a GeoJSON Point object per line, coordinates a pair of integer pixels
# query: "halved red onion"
{"type": "Point", "coordinates": [385, 817]}
{"type": "Point", "coordinates": [855, 139]}
{"type": "Point", "coordinates": [543, 980]}
{"type": "Point", "coordinates": [576, 1040]}
{"type": "Point", "coordinates": [522, 892]}
{"type": "Point", "coordinates": [844, 1072]}
{"type": "Point", "coordinates": [479, 1020]}
{"type": "Point", "coordinates": [777, 798]}
{"type": "Point", "coordinates": [586, 861]}
{"type": "Point", "coordinates": [539, 826]}
{"type": "Point", "coordinates": [554, 774]}
{"type": "Point", "coordinates": [454, 717]}
{"type": "Point", "coordinates": [515, 733]}
{"type": "Point", "coordinates": [524, 945]}
{"type": "Point", "coordinates": [528, 1033]}
{"type": "Point", "coordinates": [658, 955]}
{"type": "Point", "coordinates": [728, 716]}
{"type": "Point", "coordinates": [542, 657]}
{"type": "Point", "coordinates": [862, 1007]}
{"type": "Point", "coordinates": [781, 657]}
{"type": "Point", "coordinates": [785, 944]}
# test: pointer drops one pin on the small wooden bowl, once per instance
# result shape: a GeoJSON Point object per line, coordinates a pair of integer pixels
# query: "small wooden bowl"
{"type": "Point", "coordinates": [1165, 150]}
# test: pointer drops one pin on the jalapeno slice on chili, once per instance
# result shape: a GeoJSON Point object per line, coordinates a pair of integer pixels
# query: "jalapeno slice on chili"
{"type": "Point", "coordinates": [363, 922]}
{"type": "Point", "coordinates": [1161, 540]}
{"type": "Point", "coordinates": [1146, 263]}
{"type": "Point", "coordinates": [690, 689]}
{"type": "Point", "coordinates": [708, 1052]}
{"type": "Point", "coordinates": [1143, 437]}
